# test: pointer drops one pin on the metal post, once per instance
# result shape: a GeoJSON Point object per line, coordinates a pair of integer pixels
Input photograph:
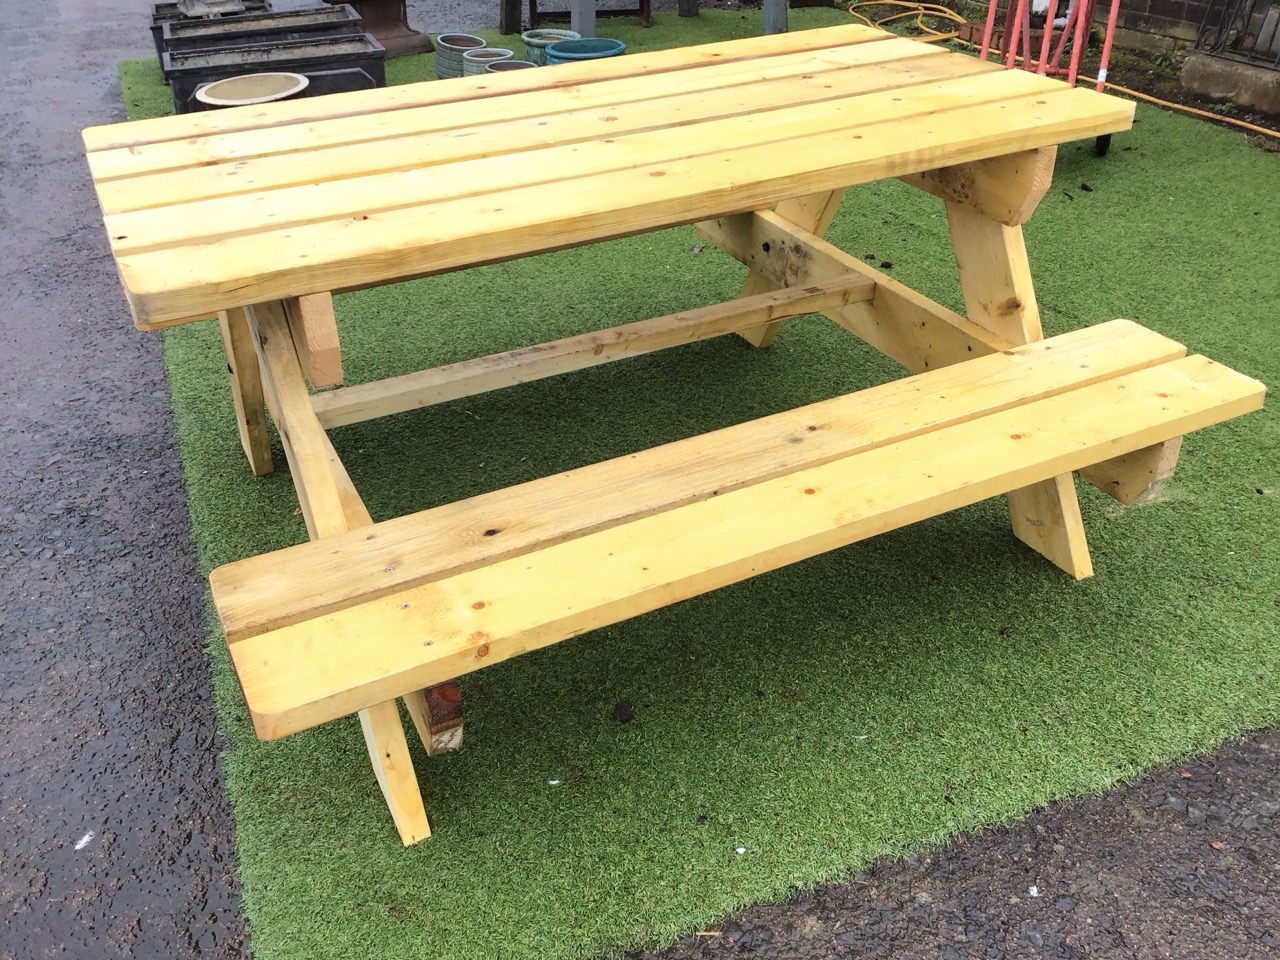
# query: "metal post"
{"type": "Point", "coordinates": [775, 16]}
{"type": "Point", "coordinates": [509, 17]}
{"type": "Point", "coordinates": [582, 17]}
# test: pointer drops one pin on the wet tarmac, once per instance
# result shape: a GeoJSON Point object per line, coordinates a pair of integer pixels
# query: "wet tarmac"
{"type": "Point", "coordinates": [114, 827]}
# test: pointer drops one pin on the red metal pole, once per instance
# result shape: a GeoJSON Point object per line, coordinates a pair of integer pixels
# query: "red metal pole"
{"type": "Point", "coordinates": [986, 31]}
{"type": "Point", "coordinates": [1043, 65]}
{"type": "Point", "coordinates": [1013, 29]}
{"type": "Point", "coordinates": [1106, 45]}
{"type": "Point", "coordinates": [1081, 38]}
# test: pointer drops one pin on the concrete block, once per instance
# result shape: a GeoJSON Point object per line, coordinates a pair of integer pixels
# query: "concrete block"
{"type": "Point", "coordinates": [1244, 84]}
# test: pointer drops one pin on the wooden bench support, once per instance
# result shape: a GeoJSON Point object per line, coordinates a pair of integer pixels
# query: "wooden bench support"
{"type": "Point", "coordinates": [469, 377]}
{"type": "Point", "coordinates": [995, 280]}
{"type": "Point", "coordinates": [437, 716]}
{"type": "Point", "coordinates": [1137, 475]}
{"type": "Point", "coordinates": [1005, 189]}
{"type": "Point", "coordinates": [330, 505]}
{"type": "Point", "coordinates": [246, 390]}
{"type": "Point", "coordinates": [327, 666]}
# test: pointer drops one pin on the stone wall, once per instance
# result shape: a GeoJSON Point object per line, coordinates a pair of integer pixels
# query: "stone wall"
{"type": "Point", "coordinates": [1178, 19]}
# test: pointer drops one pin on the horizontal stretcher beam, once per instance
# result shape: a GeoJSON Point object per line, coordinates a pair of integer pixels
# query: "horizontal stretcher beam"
{"type": "Point", "coordinates": [469, 377]}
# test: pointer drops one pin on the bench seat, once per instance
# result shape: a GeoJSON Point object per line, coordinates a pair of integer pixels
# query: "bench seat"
{"type": "Point", "coordinates": [323, 629]}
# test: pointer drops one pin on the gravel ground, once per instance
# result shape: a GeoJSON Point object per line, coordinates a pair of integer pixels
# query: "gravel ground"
{"type": "Point", "coordinates": [115, 835]}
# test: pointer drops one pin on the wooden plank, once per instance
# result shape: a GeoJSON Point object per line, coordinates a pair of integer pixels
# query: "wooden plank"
{"type": "Point", "coordinates": [315, 337]}
{"type": "Point", "coordinates": [995, 280]}
{"type": "Point", "coordinates": [1136, 476]}
{"type": "Point", "coordinates": [331, 506]}
{"type": "Point", "coordinates": [185, 171]}
{"type": "Point", "coordinates": [557, 166]}
{"type": "Point", "coordinates": [172, 286]}
{"type": "Point", "coordinates": [468, 377]}
{"type": "Point", "coordinates": [1005, 189]}
{"type": "Point", "coordinates": [897, 321]}
{"type": "Point", "coordinates": [687, 60]}
{"type": "Point", "coordinates": [265, 592]}
{"type": "Point", "coordinates": [246, 390]}
{"type": "Point", "coordinates": [324, 668]}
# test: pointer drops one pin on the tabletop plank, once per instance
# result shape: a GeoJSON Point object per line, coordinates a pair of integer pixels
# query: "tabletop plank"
{"type": "Point", "coordinates": [239, 163]}
{"type": "Point", "coordinates": [389, 186]}
{"type": "Point", "coordinates": [381, 100]}
{"type": "Point", "coordinates": [365, 128]}
{"type": "Point", "coordinates": [557, 164]}
{"type": "Point", "coordinates": [171, 284]}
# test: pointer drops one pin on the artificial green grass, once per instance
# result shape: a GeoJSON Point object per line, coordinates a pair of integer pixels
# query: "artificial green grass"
{"type": "Point", "coordinates": [876, 699]}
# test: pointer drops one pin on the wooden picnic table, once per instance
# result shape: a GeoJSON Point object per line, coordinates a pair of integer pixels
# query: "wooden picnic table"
{"type": "Point", "coordinates": [255, 215]}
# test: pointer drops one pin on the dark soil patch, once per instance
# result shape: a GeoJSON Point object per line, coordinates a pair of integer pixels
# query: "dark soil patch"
{"type": "Point", "coordinates": [1184, 863]}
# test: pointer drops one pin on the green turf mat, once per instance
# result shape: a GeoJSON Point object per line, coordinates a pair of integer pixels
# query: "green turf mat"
{"type": "Point", "coordinates": [873, 700]}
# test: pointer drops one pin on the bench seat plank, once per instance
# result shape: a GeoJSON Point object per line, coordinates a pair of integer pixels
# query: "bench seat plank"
{"type": "Point", "coordinates": [332, 665]}
{"type": "Point", "coordinates": [272, 590]}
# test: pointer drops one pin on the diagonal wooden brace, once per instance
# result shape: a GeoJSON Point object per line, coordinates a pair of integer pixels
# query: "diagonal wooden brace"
{"type": "Point", "coordinates": [812, 213]}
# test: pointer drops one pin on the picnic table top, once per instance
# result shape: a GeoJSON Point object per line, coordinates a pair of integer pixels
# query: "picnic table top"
{"type": "Point", "coordinates": [216, 210]}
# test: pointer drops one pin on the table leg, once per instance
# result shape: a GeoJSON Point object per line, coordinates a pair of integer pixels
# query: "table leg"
{"type": "Point", "coordinates": [812, 213]}
{"type": "Point", "coordinates": [996, 283]}
{"type": "Point", "coordinates": [331, 505]}
{"type": "Point", "coordinates": [246, 390]}
{"type": "Point", "coordinates": [315, 336]}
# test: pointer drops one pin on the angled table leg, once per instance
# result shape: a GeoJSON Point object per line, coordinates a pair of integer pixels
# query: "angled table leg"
{"type": "Point", "coordinates": [812, 213]}
{"type": "Point", "coordinates": [331, 505]}
{"type": "Point", "coordinates": [995, 281]}
{"type": "Point", "coordinates": [246, 389]}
